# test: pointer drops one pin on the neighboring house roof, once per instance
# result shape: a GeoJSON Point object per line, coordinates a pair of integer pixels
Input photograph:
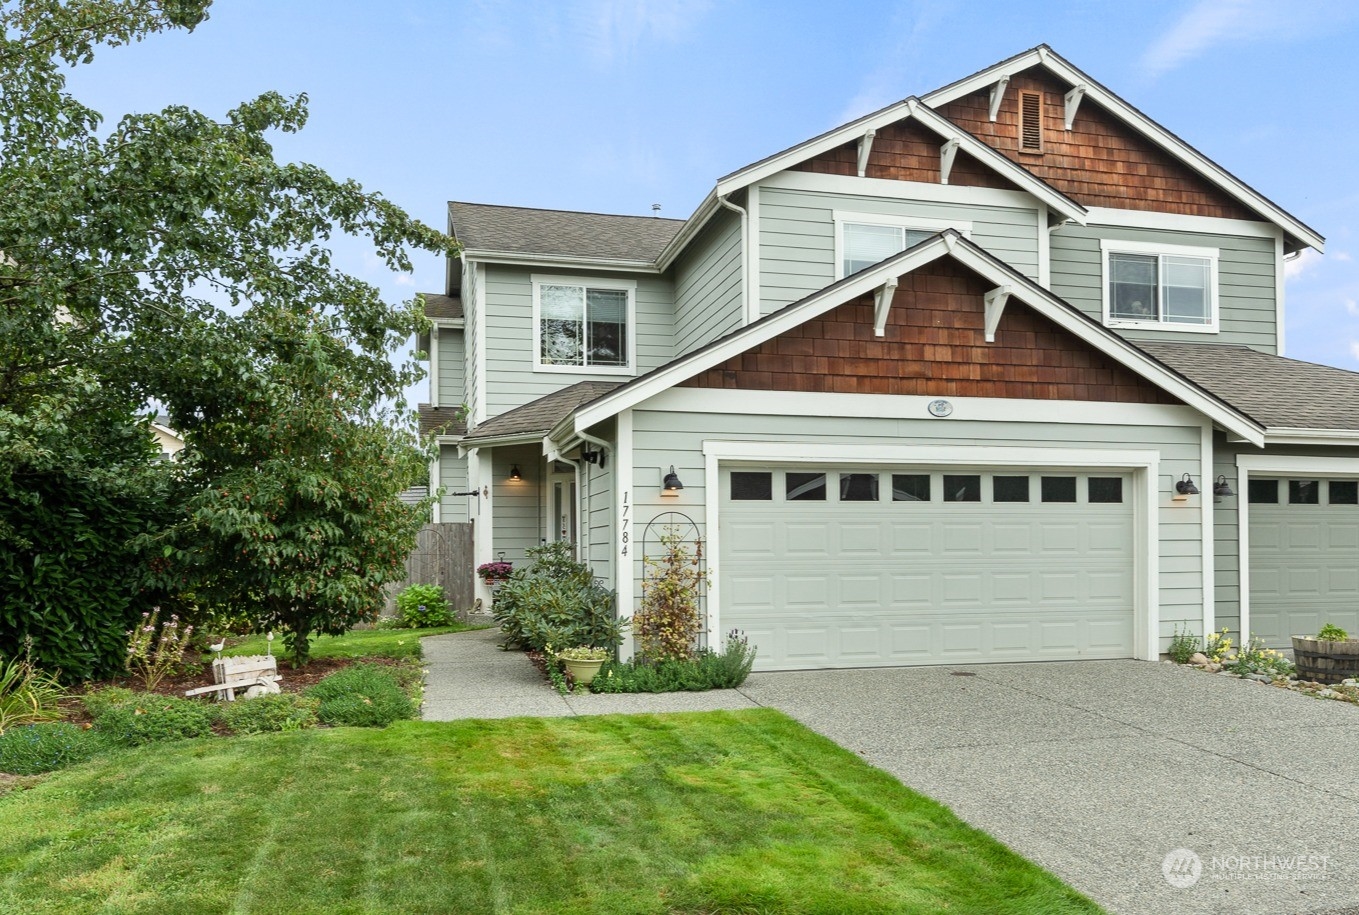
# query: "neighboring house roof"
{"type": "Point", "coordinates": [414, 495]}
{"type": "Point", "coordinates": [448, 307]}
{"type": "Point", "coordinates": [1043, 56]}
{"type": "Point", "coordinates": [487, 231]}
{"type": "Point", "coordinates": [948, 243]}
{"type": "Point", "coordinates": [535, 418]}
{"type": "Point", "coordinates": [1278, 393]}
{"type": "Point", "coordinates": [441, 420]}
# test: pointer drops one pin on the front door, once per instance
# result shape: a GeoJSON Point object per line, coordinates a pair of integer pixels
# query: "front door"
{"type": "Point", "coordinates": [561, 506]}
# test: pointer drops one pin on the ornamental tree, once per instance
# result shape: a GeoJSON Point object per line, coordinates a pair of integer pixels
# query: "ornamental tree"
{"type": "Point", "coordinates": [170, 259]}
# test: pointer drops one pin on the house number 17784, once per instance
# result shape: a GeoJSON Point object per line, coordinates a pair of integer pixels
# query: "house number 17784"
{"type": "Point", "coordinates": [625, 527]}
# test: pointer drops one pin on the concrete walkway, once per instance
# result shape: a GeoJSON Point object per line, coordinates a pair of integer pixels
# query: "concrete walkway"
{"type": "Point", "coordinates": [470, 677]}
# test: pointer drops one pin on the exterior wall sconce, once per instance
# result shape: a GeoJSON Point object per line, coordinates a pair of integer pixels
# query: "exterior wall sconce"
{"type": "Point", "coordinates": [672, 484]}
{"type": "Point", "coordinates": [515, 475]}
{"type": "Point", "coordinates": [593, 457]}
{"type": "Point", "coordinates": [1221, 488]}
{"type": "Point", "coordinates": [1185, 488]}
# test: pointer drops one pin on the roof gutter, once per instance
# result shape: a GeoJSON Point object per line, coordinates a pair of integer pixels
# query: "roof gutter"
{"type": "Point", "coordinates": [692, 226]}
{"type": "Point", "coordinates": [561, 260]}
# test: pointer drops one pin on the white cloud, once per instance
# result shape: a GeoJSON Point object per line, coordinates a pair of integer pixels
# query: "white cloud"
{"type": "Point", "coordinates": [1342, 256]}
{"type": "Point", "coordinates": [404, 279]}
{"type": "Point", "coordinates": [1352, 307]}
{"type": "Point", "coordinates": [1301, 264]}
{"type": "Point", "coordinates": [888, 82]}
{"type": "Point", "coordinates": [614, 29]}
{"type": "Point", "coordinates": [1354, 349]}
{"type": "Point", "coordinates": [1213, 23]}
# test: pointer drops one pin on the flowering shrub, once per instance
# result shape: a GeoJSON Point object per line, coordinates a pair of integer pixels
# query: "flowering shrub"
{"type": "Point", "coordinates": [1217, 646]}
{"type": "Point", "coordinates": [585, 653]}
{"type": "Point", "coordinates": [492, 572]}
{"type": "Point", "coordinates": [556, 601]}
{"type": "Point", "coordinates": [668, 623]}
{"type": "Point", "coordinates": [1183, 645]}
{"type": "Point", "coordinates": [708, 669]}
{"type": "Point", "coordinates": [154, 657]}
{"type": "Point", "coordinates": [423, 606]}
{"type": "Point", "coordinates": [1255, 658]}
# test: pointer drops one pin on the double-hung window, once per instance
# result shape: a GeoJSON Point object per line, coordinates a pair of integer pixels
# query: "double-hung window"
{"type": "Point", "coordinates": [1160, 286]}
{"type": "Point", "coordinates": [865, 239]}
{"type": "Point", "coordinates": [584, 325]}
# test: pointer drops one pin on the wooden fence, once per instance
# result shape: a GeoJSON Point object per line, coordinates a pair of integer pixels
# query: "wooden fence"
{"type": "Point", "coordinates": [442, 556]}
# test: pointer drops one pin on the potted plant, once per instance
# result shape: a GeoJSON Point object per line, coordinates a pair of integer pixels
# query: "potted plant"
{"type": "Point", "coordinates": [584, 662]}
{"type": "Point", "coordinates": [493, 573]}
{"type": "Point", "coordinates": [1330, 656]}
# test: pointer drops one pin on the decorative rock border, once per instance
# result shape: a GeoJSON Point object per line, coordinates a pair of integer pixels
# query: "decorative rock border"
{"type": "Point", "coordinates": [1345, 691]}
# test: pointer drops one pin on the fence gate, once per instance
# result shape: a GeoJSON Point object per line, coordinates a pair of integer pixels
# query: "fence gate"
{"type": "Point", "coordinates": [442, 556]}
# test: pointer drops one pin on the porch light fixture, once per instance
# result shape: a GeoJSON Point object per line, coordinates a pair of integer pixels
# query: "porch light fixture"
{"type": "Point", "coordinates": [672, 484]}
{"type": "Point", "coordinates": [593, 457]}
{"type": "Point", "coordinates": [1185, 488]}
{"type": "Point", "coordinates": [1221, 488]}
{"type": "Point", "coordinates": [515, 475]}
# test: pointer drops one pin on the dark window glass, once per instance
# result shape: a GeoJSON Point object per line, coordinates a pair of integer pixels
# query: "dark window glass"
{"type": "Point", "coordinates": [1059, 489]}
{"type": "Point", "coordinates": [1010, 489]}
{"type": "Point", "coordinates": [1106, 489]}
{"type": "Point", "coordinates": [752, 486]}
{"type": "Point", "coordinates": [858, 487]}
{"type": "Point", "coordinates": [910, 487]}
{"type": "Point", "coordinates": [1344, 492]}
{"type": "Point", "coordinates": [806, 487]}
{"type": "Point", "coordinates": [1303, 492]}
{"type": "Point", "coordinates": [962, 488]}
{"type": "Point", "coordinates": [1263, 492]}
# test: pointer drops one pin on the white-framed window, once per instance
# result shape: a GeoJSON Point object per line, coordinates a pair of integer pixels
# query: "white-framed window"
{"type": "Point", "coordinates": [584, 325]}
{"type": "Point", "coordinates": [865, 239]}
{"type": "Point", "coordinates": [1150, 286]}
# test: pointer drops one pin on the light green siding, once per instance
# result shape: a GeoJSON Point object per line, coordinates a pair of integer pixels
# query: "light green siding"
{"type": "Point", "coordinates": [517, 505]}
{"type": "Point", "coordinates": [797, 236]}
{"type": "Point", "coordinates": [452, 478]}
{"type": "Point", "coordinates": [510, 377]}
{"type": "Point", "coordinates": [662, 438]}
{"type": "Point", "coordinates": [708, 284]}
{"type": "Point", "coordinates": [452, 368]}
{"type": "Point", "coordinates": [471, 340]}
{"type": "Point", "coordinates": [1246, 281]}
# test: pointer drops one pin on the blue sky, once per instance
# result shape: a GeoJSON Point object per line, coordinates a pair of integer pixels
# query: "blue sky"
{"type": "Point", "coordinates": [613, 105]}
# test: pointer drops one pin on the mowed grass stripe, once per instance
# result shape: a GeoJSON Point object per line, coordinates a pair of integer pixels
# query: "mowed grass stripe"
{"type": "Point", "coordinates": [739, 812]}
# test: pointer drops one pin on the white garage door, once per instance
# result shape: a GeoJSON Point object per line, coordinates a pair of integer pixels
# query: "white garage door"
{"type": "Point", "coordinates": [1304, 557]}
{"type": "Point", "coordinates": [867, 566]}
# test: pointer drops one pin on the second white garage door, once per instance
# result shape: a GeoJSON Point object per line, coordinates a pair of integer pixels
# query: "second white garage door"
{"type": "Point", "coordinates": [865, 566]}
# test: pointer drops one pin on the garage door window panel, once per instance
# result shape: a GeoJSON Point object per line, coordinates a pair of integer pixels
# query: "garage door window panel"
{"type": "Point", "coordinates": [1009, 489]}
{"type": "Point", "coordinates": [805, 487]}
{"type": "Point", "coordinates": [1303, 492]}
{"type": "Point", "coordinates": [1059, 489]}
{"type": "Point", "coordinates": [962, 487]}
{"type": "Point", "coordinates": [910, 487]}
{"type": "Point", "coordinates": [858, 487]}
{"type": "Point", "coordinates": [1344, 492]}
{"type": "Point", "coordinates": [1262, 492]}
{"type": "Point", "coordinates": [1105, 490]}
{"type": "Point", "coordinates": [752, 486]}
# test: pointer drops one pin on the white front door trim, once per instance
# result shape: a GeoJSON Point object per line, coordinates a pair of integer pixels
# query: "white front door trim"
{"type": "Point", "coordinates": [1144, 466]}
{"type": "Point", "coordinates": [1261, 464]}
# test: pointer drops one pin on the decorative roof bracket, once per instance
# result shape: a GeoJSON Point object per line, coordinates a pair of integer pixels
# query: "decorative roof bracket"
{"type": "Point", "coordinates": [1073, 101]}
{"type": "Point", "coordinates": [882, 304]}
{"type": "Point", "coordinates": [997, 94]}
{"type": "Point", "coordinates": [865, 147]}
{"type": "Point", "coordinates": [946, 154]}
{"type": "Point", "coordinates": [995, 301]}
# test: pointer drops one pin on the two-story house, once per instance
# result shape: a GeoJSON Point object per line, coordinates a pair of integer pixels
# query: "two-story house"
{"type": "Point", "coordinates": [992, 374]}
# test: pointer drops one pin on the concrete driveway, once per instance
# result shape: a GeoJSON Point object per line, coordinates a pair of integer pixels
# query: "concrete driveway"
{"type": "Point", "coordinates": [1097, 770]}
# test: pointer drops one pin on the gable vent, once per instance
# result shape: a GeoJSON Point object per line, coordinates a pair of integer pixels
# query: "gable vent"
{"type": "Point", "coordinates": [1031, 122]}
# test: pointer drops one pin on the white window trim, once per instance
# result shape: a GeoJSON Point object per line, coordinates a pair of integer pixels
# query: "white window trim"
{"type": "Point", "coordinates": [1109, 246]}
{"type": "Point", "coordinates": [918, 224]}
{"type": "Point", "coordinates": [630, 286]}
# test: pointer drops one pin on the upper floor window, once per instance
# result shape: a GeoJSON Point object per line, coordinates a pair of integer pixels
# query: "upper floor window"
{"type": "Point", "coordinates": [584, 325]}
{"type": "Point", "coordinates": [1160, 286]}
{"type": "Point", "coordinates": [865, 239]}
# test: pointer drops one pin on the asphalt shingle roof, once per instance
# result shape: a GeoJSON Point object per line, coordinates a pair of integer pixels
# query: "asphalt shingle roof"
{"type": "Point", "coordinates": [539, 416]}
{"type": "Point", "coordinates": [1274, 391]}
{"type": "Point", "coordinates": [442, 306]}
{"type": "Point", "coordinates": [441, 420]}
{"type": "Point", "coordinates": [521, 230]}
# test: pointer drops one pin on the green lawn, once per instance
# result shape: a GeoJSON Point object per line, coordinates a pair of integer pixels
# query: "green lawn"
{"type": "Point", "coordinates": [725, 812]}
{"type": "Point", "coordinates": [359, 643]}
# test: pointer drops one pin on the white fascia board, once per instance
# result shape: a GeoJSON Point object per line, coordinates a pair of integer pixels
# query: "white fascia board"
{"type": "Point", "coordinates": [692, 226]}
{"type": "Point", "coordinates": [911, 406]}
{"type": "Point", "coordinates": [1140, 122]}
{"type": "Point", "coordinates": [1286, 463]}
{"type": "Point", "coordinates": [1176, 222]}
{"type": "Point", "coordinates": [502, 441]}
{"type": "Point", "coordinates": [920, 191]}
{"type": "Point", "coordinates": [1340, 438]}
{"type": "Point", "coordinates": [765, 329]}
{"type": "Point", "coordinates": [448, 323]}
{"type": "Point", "coordinates": [166, 430]}
{"type": "Point", "coordinates": [561, 260]}
{"type": "Point", "coordinates": [974, 456]}
{"type": "Point", "coordinates": [448, 439]}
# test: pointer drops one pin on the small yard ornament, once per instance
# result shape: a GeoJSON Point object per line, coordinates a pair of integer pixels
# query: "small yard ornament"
{"type": "Point", "coordinates": [254, 675]}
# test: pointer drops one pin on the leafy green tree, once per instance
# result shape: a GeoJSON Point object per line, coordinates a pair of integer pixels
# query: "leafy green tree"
{"type": "Point", "coordinates": [171, 259]}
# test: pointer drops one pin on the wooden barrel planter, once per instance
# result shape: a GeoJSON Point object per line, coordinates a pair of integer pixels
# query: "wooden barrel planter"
{"type": "Point", "coordinates": [1326, 661]}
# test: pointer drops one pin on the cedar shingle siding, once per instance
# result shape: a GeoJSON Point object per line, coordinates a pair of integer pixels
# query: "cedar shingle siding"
{"type": "Point", "coordinates": [1099, 162]}
{"type": "Point", "coordinates": [905, 151]}
{"type": "Point", "coordinates": [934, 346]}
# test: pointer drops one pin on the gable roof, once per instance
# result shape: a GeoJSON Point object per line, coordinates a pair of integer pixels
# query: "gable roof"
{"type": "Point", "coordinates": [487, 231]}
{"type": "Point", "coordinates": [535, 418]}
{"type": "Point", "coordinates": [1043, 56]}
{"type": "Point", "coordinates": [1276, 392]}
{"type": "Point", "coordinates": [948, 243]}
{"type": "Point", "coordinates": [441, 420]}
{"type": "Point", "coordinates": [442, 307]}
